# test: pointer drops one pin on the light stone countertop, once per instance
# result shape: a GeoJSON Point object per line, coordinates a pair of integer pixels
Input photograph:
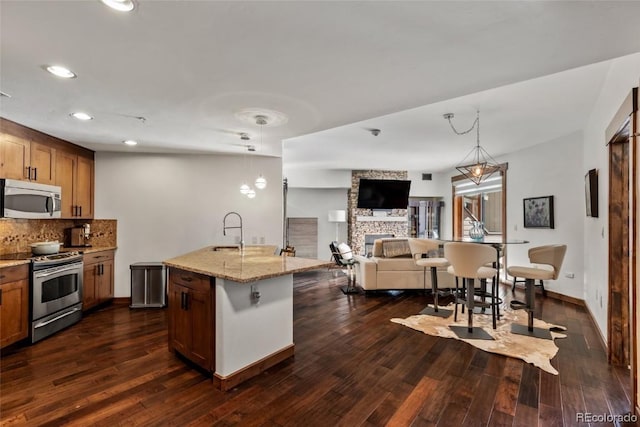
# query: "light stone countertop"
{"type": "Point", "coordinates": [87, 249]}
{"type": "Point", "coordinates": [83, 250]}
{"type": "Point", "coordinates": [13, 263]}
{"type": "Point", "coordinates": [257, 263]}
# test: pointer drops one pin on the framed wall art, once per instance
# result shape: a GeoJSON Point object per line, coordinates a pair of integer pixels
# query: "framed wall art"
{"type": "Point", "coordinates": [538, 212]}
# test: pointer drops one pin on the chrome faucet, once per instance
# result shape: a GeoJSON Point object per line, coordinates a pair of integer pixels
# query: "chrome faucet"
{"type": "Point", "coordinates": [225, 227]}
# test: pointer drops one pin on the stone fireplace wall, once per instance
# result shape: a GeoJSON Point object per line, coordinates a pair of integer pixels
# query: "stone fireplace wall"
{"type": "Point", "coordinates": [393, 224]}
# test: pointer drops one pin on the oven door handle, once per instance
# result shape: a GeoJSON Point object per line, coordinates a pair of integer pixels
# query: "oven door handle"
{"type": "Point", "coordinates": [42, 324]}
{"type": "Point", "coordinates": [57, 270]}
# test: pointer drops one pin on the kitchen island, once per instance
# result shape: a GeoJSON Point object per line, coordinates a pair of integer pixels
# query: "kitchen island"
{"type": "Point", "coordinates": [231, 312]}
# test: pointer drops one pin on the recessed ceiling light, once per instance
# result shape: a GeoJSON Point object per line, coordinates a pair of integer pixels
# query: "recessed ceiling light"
{"type": "Point", "coordinates": [130, 142]}
{"type": "Point", "coordinates": [120, 5]}
{"type": "Point", "coordinates": [60, 71]}
{"type": "Point", "coordinates": [81, 116]}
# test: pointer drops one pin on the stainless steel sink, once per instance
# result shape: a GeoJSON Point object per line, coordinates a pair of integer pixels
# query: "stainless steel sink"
{"type": "Point", "coordinates": [225, 248]}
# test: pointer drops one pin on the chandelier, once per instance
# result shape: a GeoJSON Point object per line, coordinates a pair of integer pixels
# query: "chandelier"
{"type": "Point", "coordinates": [478, 165]}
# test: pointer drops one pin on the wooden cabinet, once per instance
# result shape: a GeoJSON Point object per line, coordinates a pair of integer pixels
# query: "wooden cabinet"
{"type": "Point", "coordinates": [97, 282]}
{"type": "Point", "coordinates": [74, 174]}
{"type": "Point", "coordinates": [23, 159]}
{"type": "Point", "coordinates": [14, 304]}
{"type": "Point", "coordinates": [191, 323]}
{"type": "Point", "coordinates": [26, 154]}
{"type": "Point", "coordinates": [42, 163]}
{"type": "Point", "coordinates": [14, 157]}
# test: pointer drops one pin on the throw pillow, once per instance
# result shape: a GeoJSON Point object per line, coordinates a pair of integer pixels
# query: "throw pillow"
{"type": "Point", "coordinates": [396, 248]}
{"type": "Point", "coordinates": [345, 251]}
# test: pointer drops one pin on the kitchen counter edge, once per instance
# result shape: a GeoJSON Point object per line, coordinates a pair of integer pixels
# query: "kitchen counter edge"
{"type": "Point", "coordinates": [13, 263]}
{"type": "Point", "coordinates": [182, 262]}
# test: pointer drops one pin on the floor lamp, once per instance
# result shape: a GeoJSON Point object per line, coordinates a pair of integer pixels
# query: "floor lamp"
{"type": "Point", "coordinates": [338, 216]}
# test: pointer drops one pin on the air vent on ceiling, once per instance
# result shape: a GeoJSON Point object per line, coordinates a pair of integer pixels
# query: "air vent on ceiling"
{"type": "Point", "coordinates": [426, 177]}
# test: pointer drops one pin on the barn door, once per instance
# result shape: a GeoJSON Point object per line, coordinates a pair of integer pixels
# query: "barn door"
{"type": "Point", "coordinates": [303, 236]}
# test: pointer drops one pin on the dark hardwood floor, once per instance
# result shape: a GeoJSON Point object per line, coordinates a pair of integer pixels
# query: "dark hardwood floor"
{"type": "Point", "coordinates": [352, 367]}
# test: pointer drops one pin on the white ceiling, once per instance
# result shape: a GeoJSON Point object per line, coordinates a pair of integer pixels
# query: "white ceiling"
{"type": "Point", "coordinates": [334, 68]}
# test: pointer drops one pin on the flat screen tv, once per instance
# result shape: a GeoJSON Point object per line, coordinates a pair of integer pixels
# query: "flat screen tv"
{"type": "Point", "coordinates": [383, 194]}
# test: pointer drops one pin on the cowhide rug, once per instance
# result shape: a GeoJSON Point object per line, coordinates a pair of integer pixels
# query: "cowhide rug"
{"type": "Point", "coordinates": [536, 351]}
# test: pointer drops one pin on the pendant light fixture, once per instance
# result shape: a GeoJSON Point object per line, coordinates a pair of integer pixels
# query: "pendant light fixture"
{"type": "Point", "coordinates": [244, 188]}
{"type": "Point", "coordinates": [261, 181]}
{"type": "Point", "coordinates": [478, 165]}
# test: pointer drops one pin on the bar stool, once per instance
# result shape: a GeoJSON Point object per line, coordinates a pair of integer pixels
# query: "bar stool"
{"type": "Point", "coordinates": [420, 247]}
{"type": "Point", "coordinates": [548, 255]}
{"type": "Point", "coordinates": [468, 262]}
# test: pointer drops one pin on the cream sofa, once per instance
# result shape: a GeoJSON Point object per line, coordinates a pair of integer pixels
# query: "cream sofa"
{"type": "Point", "coordinates": [392, 267]}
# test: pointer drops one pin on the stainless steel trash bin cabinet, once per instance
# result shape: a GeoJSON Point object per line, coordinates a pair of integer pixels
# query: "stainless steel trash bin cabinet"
{"type": "Point", "coordinates": [148, 286]}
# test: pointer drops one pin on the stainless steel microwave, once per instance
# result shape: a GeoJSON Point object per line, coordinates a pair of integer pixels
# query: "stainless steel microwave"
{"type": "Point", "coordinates": [24, 199]}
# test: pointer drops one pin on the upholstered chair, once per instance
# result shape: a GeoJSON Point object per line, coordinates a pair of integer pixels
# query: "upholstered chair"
{"type": "Point", "coordinates": [548, 261]}
{"type": "Point", "coordinates": [539, 257]}
{"type": "Point", "coordinates": [468, 262]}
{"type": "Point", "coordinates": [419, 249]}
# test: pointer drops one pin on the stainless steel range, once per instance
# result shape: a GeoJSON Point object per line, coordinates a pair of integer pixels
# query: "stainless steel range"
{"type": "Point", "coordinates": [56, 293]}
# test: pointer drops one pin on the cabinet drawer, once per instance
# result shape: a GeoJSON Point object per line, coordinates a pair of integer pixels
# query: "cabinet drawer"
{"type": "Point", "coordinates": [190, 280]}
{"type": "Point", "coordinates": [15, 273]}
{"type": "Point", "coordinates": [96, 257]}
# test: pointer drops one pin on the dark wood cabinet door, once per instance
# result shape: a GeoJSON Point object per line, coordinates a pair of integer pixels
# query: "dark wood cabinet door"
{"type": "Point", "coordinates": [180, 320]}
{"type": "Point", "coordinates": [104, 285]}
{"type": "Point", "coordinates": [89, 277]}
{"type": "Point", "coordinates": [199, 308]}
{"type": "Point", "coordinates": [14, 304]}
{"type": "Point", "coordinates": [191, 325]}
{"type": "Point", "coordinates": [14, 311]}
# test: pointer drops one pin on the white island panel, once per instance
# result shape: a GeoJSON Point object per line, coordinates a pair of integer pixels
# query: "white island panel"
{"type": "Point", "coordinates": [248, 330]}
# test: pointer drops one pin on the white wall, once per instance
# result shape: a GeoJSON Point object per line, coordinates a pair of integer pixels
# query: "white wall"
{"type": "Point", "coordinates": [167, 205]}
{"type": "Point", "coordinates": [316, 203]}
{"type": "Point", "coordinates": [553, 168]}
{"type": "Point", "coordinates": [318, 178]}
{"type": "Point", "coordinates": [439, 186]}
{"type": "Point", "coordinates": [624, 74]}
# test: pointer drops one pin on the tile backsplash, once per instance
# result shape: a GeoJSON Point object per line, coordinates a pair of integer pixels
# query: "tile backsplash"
{"type": "Point", "coordinates": [17, 234]}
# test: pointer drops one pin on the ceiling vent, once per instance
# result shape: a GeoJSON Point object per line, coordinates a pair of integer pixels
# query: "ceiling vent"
{"type": "Point", "coordinates": [426, 177]}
